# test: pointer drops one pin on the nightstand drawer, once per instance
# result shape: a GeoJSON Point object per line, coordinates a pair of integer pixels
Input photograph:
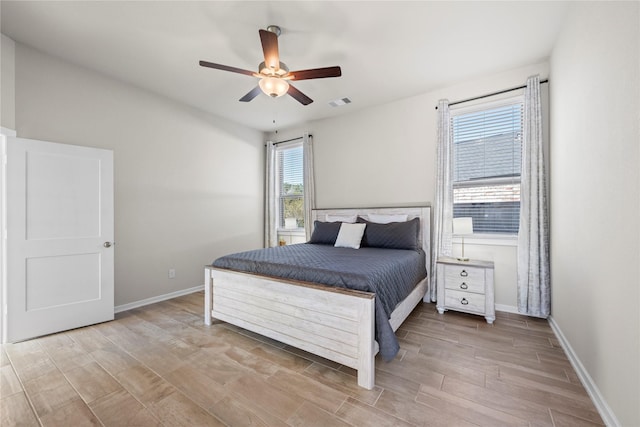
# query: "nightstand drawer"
{"type": "Point", "coordinates": [459, 300]}
{"type": "Point", "coordinates": [470, 279]}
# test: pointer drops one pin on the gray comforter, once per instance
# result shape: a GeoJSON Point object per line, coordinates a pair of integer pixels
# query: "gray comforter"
{"type": "Point", "coordinates": [389, 273]}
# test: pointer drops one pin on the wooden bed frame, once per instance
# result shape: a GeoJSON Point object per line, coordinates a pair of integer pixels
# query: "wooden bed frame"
{"type": "Point", "coordinates": [334, 323]}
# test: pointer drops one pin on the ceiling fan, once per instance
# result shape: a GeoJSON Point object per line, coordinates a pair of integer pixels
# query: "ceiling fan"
{"type": "Point", "coordinates": [274, 75]}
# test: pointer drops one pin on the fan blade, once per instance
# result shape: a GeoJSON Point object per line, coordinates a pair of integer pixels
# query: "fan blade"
{"type": "Point", "coordinates": [270, 48]}
{"type": "Point", "coordinates": [226, 68]}
{"type": "Point", "coordinates": [299, 96]}
{"type": "Point", "coordinates": [316, 73]}
{"type": "Point", "coordinates": [252, 94]}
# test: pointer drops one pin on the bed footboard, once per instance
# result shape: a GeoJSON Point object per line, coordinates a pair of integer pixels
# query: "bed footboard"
{"type": "Point", "coordinates": [334, 323]}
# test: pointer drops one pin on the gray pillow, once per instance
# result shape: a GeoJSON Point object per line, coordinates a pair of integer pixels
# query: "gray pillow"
{"type": "Point", "coordinates": [394, 235]}
{"type": "Point", "coordinates": [325, 233]}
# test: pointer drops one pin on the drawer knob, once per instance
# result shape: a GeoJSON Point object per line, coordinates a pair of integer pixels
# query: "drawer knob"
{"type": "Point", "coordinates": [464, 286]}
{"type": "Point", "coordinates": [464, 301]}
{"type": "Point", "coordinates": [464, 273]}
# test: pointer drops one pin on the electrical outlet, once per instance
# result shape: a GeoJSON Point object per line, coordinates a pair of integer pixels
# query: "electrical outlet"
{"type": "Point", "coordinates": [172, 273]}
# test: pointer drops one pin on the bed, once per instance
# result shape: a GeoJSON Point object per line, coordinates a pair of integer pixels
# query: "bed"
{"type": "Point", "coordinates": [338, 322]}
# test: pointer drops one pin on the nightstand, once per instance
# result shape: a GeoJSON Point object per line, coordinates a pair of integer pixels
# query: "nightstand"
{"type": "Point", "coordinates": [466, 286]}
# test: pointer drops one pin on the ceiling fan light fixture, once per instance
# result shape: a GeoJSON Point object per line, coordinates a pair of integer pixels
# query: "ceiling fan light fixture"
{"type": "Point", "coordinates": [274, 75]}
{"type": "Point", "coordinates": [274, 86]}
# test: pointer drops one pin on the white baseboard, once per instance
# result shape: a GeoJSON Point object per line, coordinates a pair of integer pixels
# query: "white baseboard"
{"type": "Point", "coordinates": [507, 308]}
{"type": "Point", "coordinates": [601, 405]}
{"type": "Point", "coordinates": [159, 298]}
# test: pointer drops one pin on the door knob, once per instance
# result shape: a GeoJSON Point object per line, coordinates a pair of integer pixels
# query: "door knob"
{"type": "Point", "coordinates": [107, 244]}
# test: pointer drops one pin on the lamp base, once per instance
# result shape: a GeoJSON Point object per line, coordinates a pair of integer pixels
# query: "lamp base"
{"type": "Point", "coordinates": [463, 259]}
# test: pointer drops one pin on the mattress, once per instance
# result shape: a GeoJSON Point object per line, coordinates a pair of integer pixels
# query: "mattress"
{"type": "Point", "coordinates": [389, 273]}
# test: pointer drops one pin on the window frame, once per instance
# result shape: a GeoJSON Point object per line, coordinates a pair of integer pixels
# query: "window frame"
{"type": "Point", "coordinates": [493, 238]}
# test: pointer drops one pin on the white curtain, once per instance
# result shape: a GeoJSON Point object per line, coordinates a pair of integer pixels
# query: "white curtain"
{"type": "Point", "coordinates": [534, 293]}
{"type": "Point", "coordinates": [443, 212]}
{"type": "Point", "coordinates": [309, 184]}
{"type": "Point", "coordinates": [270, 220]}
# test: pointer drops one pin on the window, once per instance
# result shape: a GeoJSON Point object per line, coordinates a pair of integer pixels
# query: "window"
{"type": "Point", "coordinates": [487, 152]}
{"type": "Point", "coordinates": [290, 186]}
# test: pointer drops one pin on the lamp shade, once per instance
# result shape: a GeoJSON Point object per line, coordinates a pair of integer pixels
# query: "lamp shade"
{"type": "Point", "coordinates": [290, 223]}
{"type": "Point", "coordinates": [273, 86]}
{"type": "Point", "coordinates": [463, 226]}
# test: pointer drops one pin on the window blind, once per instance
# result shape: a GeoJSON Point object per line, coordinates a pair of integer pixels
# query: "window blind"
{"type": "Point", "coordinates": [487, 157]}
{"type": "Point", "coordinates": [290, 185]}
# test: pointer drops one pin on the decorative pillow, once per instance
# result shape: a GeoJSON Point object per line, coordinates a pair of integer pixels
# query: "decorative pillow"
{"type": "Point", "coordinates": [341, 218]}
{"type": "Point", "coordinates": [350, 235]}
{"type": "Point", "coordinates": [324, 233]}
{"type": "Point", "coordinates": [387, 218]}
{"type": "Point", "coordinates": [394, 235]}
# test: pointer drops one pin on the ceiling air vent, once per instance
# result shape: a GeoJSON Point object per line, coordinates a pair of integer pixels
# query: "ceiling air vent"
{"type": "Point", "coordinates": [340, 102]}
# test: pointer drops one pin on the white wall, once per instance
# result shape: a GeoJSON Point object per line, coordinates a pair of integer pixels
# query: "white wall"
{"type": "Point", "coordinates": [385, 155]}
{"type": "Point", "coordinates": [188, 185]}
{"type": "Point", "coordinates": [595, 197]}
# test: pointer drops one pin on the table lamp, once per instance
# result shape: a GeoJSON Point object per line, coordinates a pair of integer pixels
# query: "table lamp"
{"type": "Point", "coordinates": [462, 227]}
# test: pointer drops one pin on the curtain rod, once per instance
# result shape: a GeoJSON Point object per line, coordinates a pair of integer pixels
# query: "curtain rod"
{"type": "Point", "coordinates": [494, 93]}
{"type": "Point", "coordinates": [289, 140]}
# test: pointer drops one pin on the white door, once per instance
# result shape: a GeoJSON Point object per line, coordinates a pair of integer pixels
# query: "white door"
{"type": "Point", "coordinates": [59, 253]}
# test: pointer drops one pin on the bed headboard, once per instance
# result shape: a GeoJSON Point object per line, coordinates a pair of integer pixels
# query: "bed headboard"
{"type": "Point", "coordinates": [421, 212]}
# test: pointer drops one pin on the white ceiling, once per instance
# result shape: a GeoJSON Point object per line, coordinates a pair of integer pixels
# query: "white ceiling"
{"type": "Point", "coordinates": [388, 50]}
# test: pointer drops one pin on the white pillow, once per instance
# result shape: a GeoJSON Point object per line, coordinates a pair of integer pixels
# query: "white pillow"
{"type": "Point", "coordinates": [350, 235]}
{"type": "Point", "coordinates": [341, 218]}
{"type": "Point", "coordinates": [386, 218]}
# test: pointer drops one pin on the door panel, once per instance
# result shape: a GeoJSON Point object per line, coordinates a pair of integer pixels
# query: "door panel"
{"type": "Point", "coordinates": [62, 196]}
{"type": "Point", "coordinates": [60, 275]}
{"type": "Point", "coordinates": [81, 285]}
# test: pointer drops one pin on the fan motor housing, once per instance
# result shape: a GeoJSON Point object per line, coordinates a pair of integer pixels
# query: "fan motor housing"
{"type": "Point", "coordinates": [282, 70]}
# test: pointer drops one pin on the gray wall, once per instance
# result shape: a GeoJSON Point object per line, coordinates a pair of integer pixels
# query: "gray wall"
{"type": "Point", "coordinates": [385, 155]}
{"type": "Point", "coordinates": [7, 83]}
{"type": "Point", "coordinates": [595, 191]}
{"type": "Point", "coordinates": [188, 185]}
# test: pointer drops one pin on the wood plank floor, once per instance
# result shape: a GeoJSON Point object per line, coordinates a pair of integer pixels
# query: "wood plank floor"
{"type": "Point", "coordinates": [161, 366]}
